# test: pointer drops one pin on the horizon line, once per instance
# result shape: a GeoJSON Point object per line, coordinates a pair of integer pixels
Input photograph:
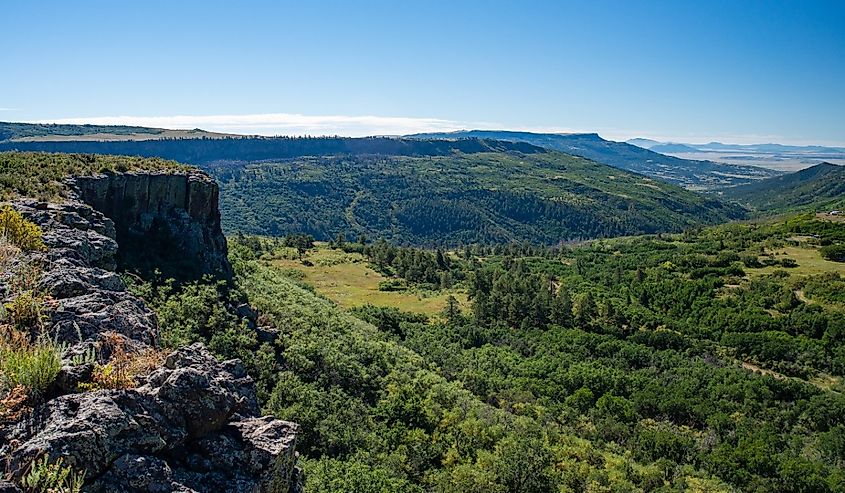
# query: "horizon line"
{"type": "Point", "coordinates": [295, 124]}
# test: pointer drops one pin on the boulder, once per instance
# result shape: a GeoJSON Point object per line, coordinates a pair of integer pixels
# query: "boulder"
{"type": "Point", "coordinates": [191, 427]}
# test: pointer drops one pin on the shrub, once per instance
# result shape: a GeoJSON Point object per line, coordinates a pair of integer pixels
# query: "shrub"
{"type": "Point", "coordinates": [33, 366]}
{"type": "Point", "coordinates": [122, 368]}
{"type": "Point", "coordinates": [188, 313]}
{"type": "Point", "coordinates": [44, 477]}
{"type": "Point", "coordinates": [835, 253]}
{"type": "Point", "coordinates": [751, 261]}
{"type": "Point", "coordinates": [8, 253]}
{"type": "Point", "coordinates": [24, 311]}
{"type": "Point", "coordinates": [20, 232]}
{"type": "Point", "coordinates": [392, 285]}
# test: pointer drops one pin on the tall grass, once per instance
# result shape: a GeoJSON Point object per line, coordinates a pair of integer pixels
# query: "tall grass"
{"type": "Point", "coordinates": [34, 366]}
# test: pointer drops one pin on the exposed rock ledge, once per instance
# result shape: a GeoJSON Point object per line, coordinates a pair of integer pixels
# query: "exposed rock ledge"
{"type": "Point", "coordinates": [161, 219]}
{"type": "Point", "coordinates": [192, 425]}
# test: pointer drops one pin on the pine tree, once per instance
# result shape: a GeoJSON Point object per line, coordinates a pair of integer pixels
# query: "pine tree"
{"type": "Point", "coordinates": [452, 310]}
{"type": "Point", "coordinates": [585, 310]}
{"type": "Point", "coordinates": [609, 312]}
{"type": "Point", "coordinates": [562, 308]}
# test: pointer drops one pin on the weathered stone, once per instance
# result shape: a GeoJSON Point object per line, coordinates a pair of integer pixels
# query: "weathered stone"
{"type": "Point", "coordinates": [192, 425]}
{"type": "Point", "coordinates": [266, 334]}
{"type": "Point", "coordinates": [139, 473]}
{"type": "Point", "coordinates": [178, 424]}
{"type": "Point", "coordinates": [71, 375]}
{"type": "Point", "coordinates": [90, 236]}
{"type": "Point", "coordinates": [157, 216]}
{"type": "Point", "coordinates": [76, 281]}
{"type": "Point", "coordinates": [90, 316]}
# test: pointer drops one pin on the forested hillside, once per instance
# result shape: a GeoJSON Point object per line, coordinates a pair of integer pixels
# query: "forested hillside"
{"type": "Point", "coordinates": [818, 188]}
{"type": "Point", "coordinates": [201, 148]}
{"type": "Point", "coordinates": [494, 197]}
{"type": "Point", "coordinates": [53, 132]}
{"type": "Point", "coordinates": [710, 360]}
{"type": "Point", "coordinates": [203, 151]}
{"type": "Point", "coordinates": [699, 175]}
{"type": "Point", "coordinates": [705, 361]}
{"type": "Point", "coordinates": [13, 130]}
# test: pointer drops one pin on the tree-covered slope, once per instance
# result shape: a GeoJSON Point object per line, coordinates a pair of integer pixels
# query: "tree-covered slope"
{"type": "Point", "coordinates": [54, 132]}
{"type": "Point", "coordinates": [492, 197]}
{"type": "Point", "coordinates": [684, 172]}
{"type": "Point", "coordinates": [817, 188]}
{"type": "Point", "coordinates": [377, 416]}
{"type": "Point", "coordinates": [639, 364]}
{"type": "Point", "coordinates": [202, 151]}
{"type": "Point", "coordinates": [14, 130]}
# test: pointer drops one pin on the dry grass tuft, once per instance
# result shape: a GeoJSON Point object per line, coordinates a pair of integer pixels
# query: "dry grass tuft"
{"type": "Point", "coordinates": [123, 367]}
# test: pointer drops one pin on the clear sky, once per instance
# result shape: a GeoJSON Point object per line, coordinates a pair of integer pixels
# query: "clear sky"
{"type": "Point", "coordinates": [737, 71]}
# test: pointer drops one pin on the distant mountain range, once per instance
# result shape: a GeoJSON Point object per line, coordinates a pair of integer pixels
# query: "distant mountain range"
{"type": "Point", "coordinates": [776, 156]}
{"type": "Point", "coordinates": [419, 191]}
{"type": "Point", "coordinates": [202, 151]}
{"type": "Point", "coordinates": [200, 147]}
{"type": "Point", "coordinates": [28, 132]}
{"type": "Point", "coordinates": [817, 189]}
{"type": "Point", "coordinates": [691, 174]}
{"type": "Point", "coordinates": [655, 145]}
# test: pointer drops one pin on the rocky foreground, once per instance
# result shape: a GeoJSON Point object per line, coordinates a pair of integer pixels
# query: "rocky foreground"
{"type": "Point", "coordinates": [190, 424]}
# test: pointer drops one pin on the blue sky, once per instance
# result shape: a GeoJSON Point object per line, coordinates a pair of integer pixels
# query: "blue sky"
{"type": "Point", "coordinates": [683, 70]}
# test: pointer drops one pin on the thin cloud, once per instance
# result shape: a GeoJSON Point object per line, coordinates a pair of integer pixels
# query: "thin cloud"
{"type": "Point", "coordinates": [9, 109]}
{"type": "Point", "coordinates": [281, 124]}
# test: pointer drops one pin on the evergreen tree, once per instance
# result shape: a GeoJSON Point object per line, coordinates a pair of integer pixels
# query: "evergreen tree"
{"type": "Point", "coordinates": [452, 310]}
{"type": "Point", "coordinates": [561, 311]}
{"type": "Point", "coordinates": [585, 310]}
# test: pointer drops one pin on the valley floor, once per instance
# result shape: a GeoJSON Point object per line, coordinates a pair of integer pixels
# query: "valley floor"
{"type": "Point", "coordinates": [350, 281]}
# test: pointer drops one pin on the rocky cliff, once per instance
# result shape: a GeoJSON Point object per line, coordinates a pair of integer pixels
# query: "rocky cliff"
{"type": "Point", "coordinates": [166, 221]}
{"type": "Point", "coordinates": [190, 423]}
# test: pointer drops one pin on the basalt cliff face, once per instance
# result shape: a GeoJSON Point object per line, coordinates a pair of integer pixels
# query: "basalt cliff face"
{"type": "Point", "coordinates": [191, 423]}
{"type": "Point", "coordinates": [162, 220]}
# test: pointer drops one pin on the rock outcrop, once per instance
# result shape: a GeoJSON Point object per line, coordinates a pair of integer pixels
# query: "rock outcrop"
{"type": "Point", "coordinates": [170, 221]}
{"type": "Point", "coordinates": [190, 425]}
{"type": "Point", "coordinates": [89, 301]}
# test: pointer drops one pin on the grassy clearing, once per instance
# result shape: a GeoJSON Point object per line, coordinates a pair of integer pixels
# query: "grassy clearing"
{"type": "Point", "coordinates": [810, 263]}
{"type": "Point", "coordinates": [348, 280]}
{"type": "Point", "coordinates": [824, 216]}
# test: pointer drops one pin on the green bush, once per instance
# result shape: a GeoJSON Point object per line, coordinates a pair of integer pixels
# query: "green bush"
{"type": "Point", "coordinates": [18, 231]}
{"type": "Point", "coordinates": [392, 285]}
{"type": "Point", "coordinates": [187, 313]}
{"type": "Point", "coordinates": [834, 252]}
{"type": "Point", "coordinates": [47, 477]}
{"type": "Point", "coordinates": [33, 366]}
{"type": "Point", "coordinates": [24, 311]}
